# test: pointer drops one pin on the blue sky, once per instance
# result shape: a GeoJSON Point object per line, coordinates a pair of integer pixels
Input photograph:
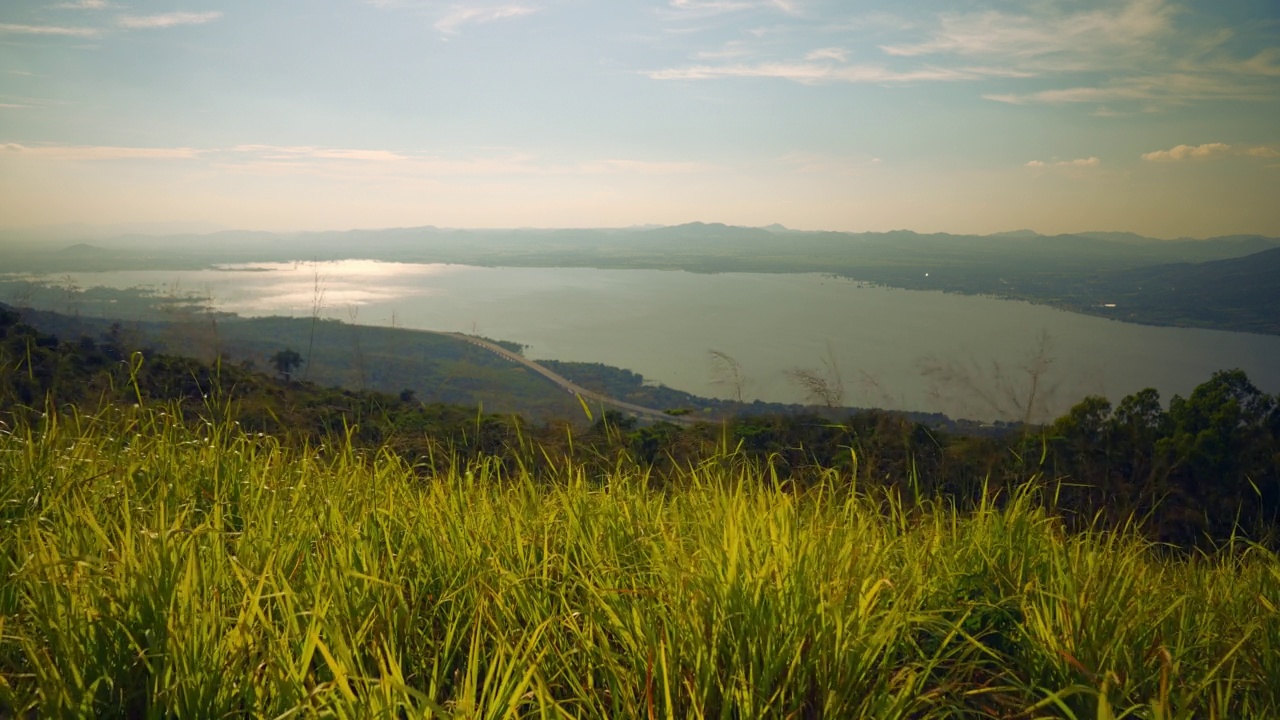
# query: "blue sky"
{"type": "Point", "coordinates": [1154, 116]}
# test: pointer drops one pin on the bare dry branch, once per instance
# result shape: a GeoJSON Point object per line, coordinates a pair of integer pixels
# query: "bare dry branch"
{"type": "Point", "coordinates": [727, 372]}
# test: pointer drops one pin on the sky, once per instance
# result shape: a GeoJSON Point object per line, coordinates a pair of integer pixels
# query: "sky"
{"type": "Point", "coordinates": [1160, 117]}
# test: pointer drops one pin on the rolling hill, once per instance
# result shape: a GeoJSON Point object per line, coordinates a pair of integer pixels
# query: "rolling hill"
{"type": "Point", "coordinates": [1240, 293]}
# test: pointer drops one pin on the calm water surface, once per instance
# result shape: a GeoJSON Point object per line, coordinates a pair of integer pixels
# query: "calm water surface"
{"type": "Point", "coordinates": [962, 355]}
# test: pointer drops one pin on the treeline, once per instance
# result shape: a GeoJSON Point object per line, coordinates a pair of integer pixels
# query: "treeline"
{"type": "Point", "coordinates": [1203, 470]}
{"type": "Point", "coordinates": [632, 387]}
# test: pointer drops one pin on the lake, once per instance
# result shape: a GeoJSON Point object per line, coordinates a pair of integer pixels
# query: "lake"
{"type": "Point", "coordinates": [965, 356]}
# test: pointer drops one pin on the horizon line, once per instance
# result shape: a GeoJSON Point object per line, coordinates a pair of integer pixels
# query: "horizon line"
{"type": "Point", "coordinates": [771, 227]}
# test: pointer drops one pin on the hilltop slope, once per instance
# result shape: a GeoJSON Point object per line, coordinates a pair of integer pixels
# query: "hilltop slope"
{"type": "Point", "coordinates": [1240, 293]}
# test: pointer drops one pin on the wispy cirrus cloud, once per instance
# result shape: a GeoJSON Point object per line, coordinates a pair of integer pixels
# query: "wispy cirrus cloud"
{"type": "Point", "coordinates": [1079, 38]}
{"type": "Point", "coordinates": [463, 15]}
{"type": "Point", "coordinates": [362, 164]}
{"type": "Point", "coordinates": [638, 167]}
{"type": "Point", "coordinates": [713, 6]}
{"type": "Point", "coordinates": [831, 53]}
{"type": "Point", "coordinates": [685, 9]}
{"type": "Point", "coordinates": [1164, 88]}
{"type": "Point", "coordinates": [83, 5]}
{"type": "Point", "coordinates": [730, 50]}
{"type": "Point", "coordinates": [18, 101]}
{"type": "Point", "coordinates": [126, 22]}
{"type": "Point", "coordinates": [1210, 150]}
{"type": "Point", "coordinates": [94, 152]}
{"type": "Point", "coordinates": [1120, 56]}
{"type": "Point", "coordinates": [815, 72]}
{"type": "Point", "coordinates": [165, 20]}
{"type": "Point", "coordinates": [366, 163]}
{"type": "Point", "coordinates": [14, 29]}
{"type": "Point", "coordinates": [1138, 48]}
{"type": "Point", "coordinates": [352, 163]}
{"type": "Point", "coordinates": [1088, 162]}
{"type": "Point", "coordinates": [276, 152]}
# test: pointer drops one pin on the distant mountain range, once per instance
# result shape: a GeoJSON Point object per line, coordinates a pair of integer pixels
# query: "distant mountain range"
{"type": "Point", "coordinates": [629, 245]}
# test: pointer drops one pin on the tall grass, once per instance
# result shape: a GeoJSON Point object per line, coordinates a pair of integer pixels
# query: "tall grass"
{"type": "Point", "coordinates": [154, 569]}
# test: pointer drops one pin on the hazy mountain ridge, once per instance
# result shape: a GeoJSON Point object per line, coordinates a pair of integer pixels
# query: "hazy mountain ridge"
{"type": "Point", "coordinates": [1241, 292]}
{"type": "Point", "coordinates": [630, 245]}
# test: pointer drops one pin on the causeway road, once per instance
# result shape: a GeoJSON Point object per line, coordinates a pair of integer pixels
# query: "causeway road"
{"type": "Point", "coordinates": [570, 386]}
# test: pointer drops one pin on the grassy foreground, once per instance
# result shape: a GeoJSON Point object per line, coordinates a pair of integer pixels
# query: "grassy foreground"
{"type": "Point", "coordinates": [150, 569]}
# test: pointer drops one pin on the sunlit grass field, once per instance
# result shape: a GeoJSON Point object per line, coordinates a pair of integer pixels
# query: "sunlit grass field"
{"type": "Point", "coordinates": [152, 569]}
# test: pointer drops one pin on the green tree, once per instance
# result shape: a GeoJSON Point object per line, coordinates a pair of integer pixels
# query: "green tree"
{"type": "Point", "coordinates": [285, 362]}
{"type": "Point", "coordinates": [1137, 424]}
{"type": "Point", "coordinates": [1220, 450]}
{"type": "Point", "coordinates": [1082, 440]}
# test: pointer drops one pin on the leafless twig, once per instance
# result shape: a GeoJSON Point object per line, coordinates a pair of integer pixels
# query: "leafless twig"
{"type": "Point", "coordinates": [727, 372]}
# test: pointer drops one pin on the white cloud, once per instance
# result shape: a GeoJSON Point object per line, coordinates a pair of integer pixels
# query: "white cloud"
{"type": "Point", "coordinates": [638, 167]}
{"type": "Point", "coordinates": [1145, 56]}
{"type": "Point", "coordinates": [814, 73]}
{"type": "Point", "coordinates": [699, 9]}
{"type": "Point", "coordinates": [460, 16]}
{"type": "Point", "coordinates": [1266, 63]}
{"type": "Point", "coordinates": [362, 164]}
{"type": "Point", "coordinates": [730, 50]}
{"type": "Point", "coordinates": [837, 54]}
{"type": "Point", "coordinates": [1076, 95]}
{"type": "Point", "coordinates": [1210, 150]}
{"type": "Point", "coordinates": [165, 20]}
{"type": "Point", "coordinates": [1080, 36]}
{"type": "Point", "coordinates": [94, 152]}
{"type": "Point", "coordinates": [298, 158]}
{"type": "Point", "coordinates": [297, 152]}
{"type": "Point", "coordinates": [711, 7]}
{"type": "Point", "coordinates": [353, 163]}
{"type": "Point", "coordinates": [124, 21]}
{"type": "Point", "coordinates": [48, 30]}
{"type": "Point", "coordinates": [1153, 90]}
{"type": "Point", "coordinates": [23, 101]}
{"type": "Point", "coordinates": [1186, 152]}
{"type": "Point", "coordinates": [84, 5]}
{"type": "Point", "coordinates": [1089, 162]}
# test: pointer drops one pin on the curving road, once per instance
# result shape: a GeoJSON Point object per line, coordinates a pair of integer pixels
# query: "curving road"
{"type": "Point", "coordinates": [568, 385]}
